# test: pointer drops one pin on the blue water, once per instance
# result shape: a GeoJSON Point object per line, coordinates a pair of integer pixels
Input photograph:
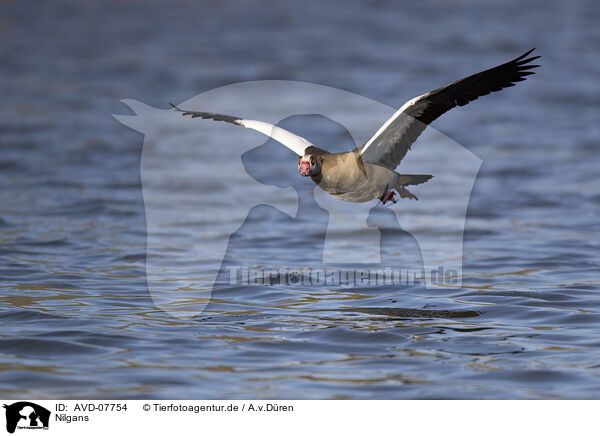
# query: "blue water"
{"type": "Point", "coordinates": [76, 314]}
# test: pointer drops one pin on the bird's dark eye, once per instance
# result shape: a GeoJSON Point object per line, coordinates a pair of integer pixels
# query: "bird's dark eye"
{"type": "Point", "coordinates": [312, 160]}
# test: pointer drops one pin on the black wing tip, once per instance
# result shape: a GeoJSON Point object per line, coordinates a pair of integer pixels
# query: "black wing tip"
{"type": "Point", "coordinates": [523, 59]}
{"type": "Point", "coordinates": [176, 108]}
{"type": "Point", "coordinates": [184, 112]}
{"type": "Point", "coordinates": [208, 115]}
{"type": "Point", "coordinates": [524, 55]}
{"type": "Point", "coordinates": [523, 64]}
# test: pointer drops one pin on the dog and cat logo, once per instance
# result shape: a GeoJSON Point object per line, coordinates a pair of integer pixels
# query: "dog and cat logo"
{"type": "Point", "coordinates": [26, 415]}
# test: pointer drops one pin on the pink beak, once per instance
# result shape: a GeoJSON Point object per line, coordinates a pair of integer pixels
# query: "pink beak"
{"type": "Point", "coordinates": [305, 168]}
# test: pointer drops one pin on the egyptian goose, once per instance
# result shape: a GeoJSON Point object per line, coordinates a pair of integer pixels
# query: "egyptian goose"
{"type": "Point", "coordinates": [367, 172]}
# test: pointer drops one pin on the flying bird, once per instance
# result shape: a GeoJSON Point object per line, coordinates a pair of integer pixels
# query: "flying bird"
{"type": "Point", "coordinates": [367, 172]}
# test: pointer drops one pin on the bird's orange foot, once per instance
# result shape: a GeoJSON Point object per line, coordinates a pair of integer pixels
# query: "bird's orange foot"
{"type": "Point", "coordinates": [405, 193]}
{"type": "Point", "coordinates": [388, 196]}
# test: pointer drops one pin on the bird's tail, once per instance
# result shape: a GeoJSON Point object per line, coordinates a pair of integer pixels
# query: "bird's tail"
{"type": "Point", "coordinates": [412, 179]}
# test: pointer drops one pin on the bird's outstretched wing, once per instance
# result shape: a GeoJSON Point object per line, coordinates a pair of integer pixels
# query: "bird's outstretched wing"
{"type": "Point", "coordinates": [393, 140]}
{"type": "Point", "coordinates": [294, 142]}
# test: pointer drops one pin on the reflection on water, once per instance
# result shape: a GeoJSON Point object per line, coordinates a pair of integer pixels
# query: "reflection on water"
{"type": "Point", "coordinates": [76, 315]}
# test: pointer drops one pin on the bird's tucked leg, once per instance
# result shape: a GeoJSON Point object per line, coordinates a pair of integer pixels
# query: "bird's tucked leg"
{"type": "Point", "coordinates": [388, 196]}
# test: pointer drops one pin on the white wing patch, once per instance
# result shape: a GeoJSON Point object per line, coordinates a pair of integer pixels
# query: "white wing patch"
{"type": "Point", "coordinates": [294, 142]}
{"type": "Point", "coordinates": [382, 129]}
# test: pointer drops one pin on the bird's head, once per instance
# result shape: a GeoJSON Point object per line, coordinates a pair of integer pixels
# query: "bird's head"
{"type": "Point", "coordinates": [310, 164]}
